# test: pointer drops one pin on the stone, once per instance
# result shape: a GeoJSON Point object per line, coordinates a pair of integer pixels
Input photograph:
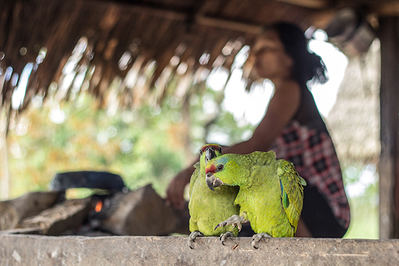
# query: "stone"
{"type": "Point", "coordinates": [140, 212]}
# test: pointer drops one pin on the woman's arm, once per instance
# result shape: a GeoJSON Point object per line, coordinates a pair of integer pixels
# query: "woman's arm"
{"type": "Point", "coordinates": [282, 107]}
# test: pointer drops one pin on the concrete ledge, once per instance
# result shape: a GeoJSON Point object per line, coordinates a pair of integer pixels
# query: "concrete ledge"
{"type": "Point", "coordinates": [173, 250]}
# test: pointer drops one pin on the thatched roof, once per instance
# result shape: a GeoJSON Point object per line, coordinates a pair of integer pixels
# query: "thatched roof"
{"type": "Point", "coordinates": [355, 118]}
{"type": "Point", "coordinates": [141, 43]}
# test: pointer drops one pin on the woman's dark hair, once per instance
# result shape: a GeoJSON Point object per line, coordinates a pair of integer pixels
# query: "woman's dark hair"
{"type": "Point", "coordinates": [307, 65]}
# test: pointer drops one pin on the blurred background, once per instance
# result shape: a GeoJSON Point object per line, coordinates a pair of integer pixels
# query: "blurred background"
{"type": "Point", "coordinates": [150, 137]}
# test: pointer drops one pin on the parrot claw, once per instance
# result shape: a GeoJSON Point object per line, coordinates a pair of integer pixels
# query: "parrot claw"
{"type": "Point", "coordinates": [234, 220]}
{"type": "Point", "coordinates": [256, 238]}
{"type": "Point", "coordinates": [192, 237]}
{"type": "Point", "coordinates": [224, 236]}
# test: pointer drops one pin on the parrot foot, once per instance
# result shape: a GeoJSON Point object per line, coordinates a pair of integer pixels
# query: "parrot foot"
{"type": "Point", "coordinates": [224, 236]}
{"type": "Point", "coordinates": [256, 238]}
{"type": "Point", "coordinates": [192, 237]}
{"type": "Point", "coordinates": [234, 220]}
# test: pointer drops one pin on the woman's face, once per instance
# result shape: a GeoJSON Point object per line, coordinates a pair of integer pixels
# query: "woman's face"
{"type": "Point", "coordinates": [271, 60]}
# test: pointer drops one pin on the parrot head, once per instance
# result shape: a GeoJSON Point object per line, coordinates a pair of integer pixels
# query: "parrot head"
{"type": "Point", "coordinates": [223, 170]}
{"type": "Point", "coordinates": [210, 151]}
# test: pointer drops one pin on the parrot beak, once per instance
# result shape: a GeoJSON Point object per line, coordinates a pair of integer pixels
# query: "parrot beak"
{"type": "Point", "coordinates": [212, 182]}
{"type": "Point", "coordinates": [209, 155]}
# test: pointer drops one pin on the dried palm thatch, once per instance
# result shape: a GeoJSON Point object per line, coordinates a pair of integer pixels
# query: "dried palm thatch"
{"type": "Point", "coordinates": [136, 46]}
{"type": "Point", "coordinates": [354, 119]}
{"type": "Point", "coordinates": [85, 44]}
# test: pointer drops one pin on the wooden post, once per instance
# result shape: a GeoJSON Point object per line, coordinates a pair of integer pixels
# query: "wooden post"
{"type": "Point", "coordinates": [389, 100]}
{"type": "Point", "coordinates": [4, 174]}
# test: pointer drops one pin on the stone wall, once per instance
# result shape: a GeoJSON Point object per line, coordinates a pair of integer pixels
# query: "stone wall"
{"type": "Point", "coordinates": [174, 250]}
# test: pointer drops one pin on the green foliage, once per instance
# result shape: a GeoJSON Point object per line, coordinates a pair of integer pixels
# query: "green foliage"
{"type": "Point", "coordinates": [363, 203]}
{"type": "Point", "coordinates": [364, 219]}
{"type": "Point", "coordinates": [135, 144]}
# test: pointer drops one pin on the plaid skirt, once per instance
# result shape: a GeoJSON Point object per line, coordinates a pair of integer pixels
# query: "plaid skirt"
{"type": "Point", "coordinates": [313, 154]}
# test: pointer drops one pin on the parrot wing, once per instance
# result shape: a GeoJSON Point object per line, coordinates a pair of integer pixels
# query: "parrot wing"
{"type": "Point", "coordinates": [291, 185]}
{"type": "Point", "coordinates": [194, 177]}
{"type": "Point", "coordinates": [261, 158]}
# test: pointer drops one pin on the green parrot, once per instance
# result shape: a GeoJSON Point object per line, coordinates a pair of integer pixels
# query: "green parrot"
{"type": "Point", "coordinates": [207, 208]}
{"type": "Point", "coordinates": [270, 195]}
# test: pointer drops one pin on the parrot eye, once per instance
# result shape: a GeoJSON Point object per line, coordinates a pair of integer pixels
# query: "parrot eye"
{"type": "Point", "coordinates": [220, 167]}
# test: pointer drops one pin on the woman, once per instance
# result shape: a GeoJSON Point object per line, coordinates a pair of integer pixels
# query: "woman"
{"type": "Point", "coordinates": [294, 129]}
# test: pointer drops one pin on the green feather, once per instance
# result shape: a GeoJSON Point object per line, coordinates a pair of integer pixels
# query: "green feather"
{"type": "Point", "coordinates": [286, 201]}
{"type": "Point", "coordinates": [271, 191]}
{"type": "Point", "coordinates": [284, 197]}
{"type": "Point", "coordinates": [302, 181]}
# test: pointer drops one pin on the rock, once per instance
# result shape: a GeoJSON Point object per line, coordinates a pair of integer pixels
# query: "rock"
{"type": "Point", "coordinates": [140, 212]}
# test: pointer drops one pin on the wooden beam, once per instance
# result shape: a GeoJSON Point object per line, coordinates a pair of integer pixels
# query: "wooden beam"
{"type": "Point", "coordinates": [187, 15]}
{"type": "Point", "coordinates": [389, 97]}
{"type": "Point", "coordinates": [15, 210]}
{"type": "Point", "coordinates": [67, 215]}
{"type": "Point", "coordinates": [228, 24]}
{"type": "Point", "coordinates": [308, 3]}
{"type": "Point", "coordinates": [4, 172]}
{"type": "Point", "coordinates": [390, 8]}
{"type": "Point", "coordinates": [168, 12]}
